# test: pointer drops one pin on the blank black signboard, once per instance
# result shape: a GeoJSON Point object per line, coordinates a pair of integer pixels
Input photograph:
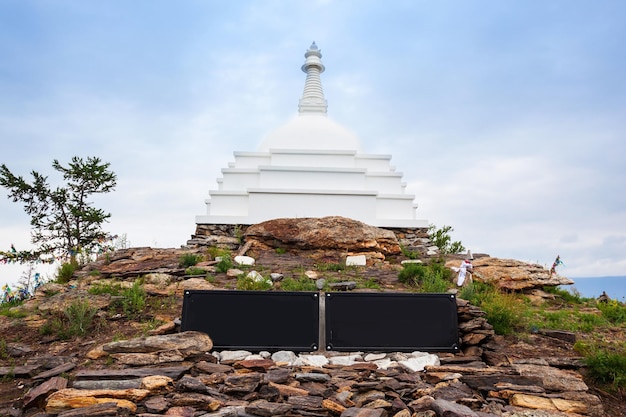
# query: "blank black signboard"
{"type": "Point", "coordinates": [254, 320]}
{"type": "Point", "coordinates": [391, 322]}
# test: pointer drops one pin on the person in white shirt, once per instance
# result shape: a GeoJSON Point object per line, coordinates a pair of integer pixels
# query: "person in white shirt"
{"type": "Point", "coordinates": [466, 266]}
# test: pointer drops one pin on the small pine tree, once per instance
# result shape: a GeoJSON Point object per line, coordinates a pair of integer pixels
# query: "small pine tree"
{"type": "Point", "coordinates": [441, 238]}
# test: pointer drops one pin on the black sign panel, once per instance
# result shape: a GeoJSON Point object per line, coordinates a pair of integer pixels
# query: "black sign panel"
{"type": "Point", "coordinates": [254, 320]}
{"type": "Point", "coordinates": [391, 322]}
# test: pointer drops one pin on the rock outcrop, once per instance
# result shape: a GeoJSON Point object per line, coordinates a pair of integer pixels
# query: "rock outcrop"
{"type": "Point", "coordinates": [179, 374]}
{"type": "Point", "coordinates": [327, 233]}
{"type": "Point", "coordinates": [512, 275]}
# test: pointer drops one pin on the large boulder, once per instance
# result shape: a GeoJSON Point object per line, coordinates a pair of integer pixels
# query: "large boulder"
{"type": "Point", "coordinates": [512, 275]}
{"type": "Point", "coordinates": [326, 233]}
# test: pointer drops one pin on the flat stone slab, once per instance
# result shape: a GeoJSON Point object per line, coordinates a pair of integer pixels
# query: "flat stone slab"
{"type": "Point", "coordinates": [25, 371]}
{"type": "Point", "coordinates": [174, 372]}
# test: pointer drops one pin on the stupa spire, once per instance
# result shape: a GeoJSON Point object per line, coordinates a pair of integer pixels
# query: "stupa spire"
{"type": "Point", "coordinates": [313, 100]}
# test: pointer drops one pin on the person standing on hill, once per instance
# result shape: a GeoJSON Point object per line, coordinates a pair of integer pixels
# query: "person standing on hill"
{"type": "Point", "coordinates": [466, 266]}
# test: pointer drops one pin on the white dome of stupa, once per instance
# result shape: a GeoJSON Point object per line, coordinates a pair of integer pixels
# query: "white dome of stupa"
{"type": "Point", "coordinates": [312, 129]}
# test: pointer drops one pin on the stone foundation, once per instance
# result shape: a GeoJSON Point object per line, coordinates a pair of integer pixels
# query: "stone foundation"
{"type": "Point", "coordinates": [230, 236]}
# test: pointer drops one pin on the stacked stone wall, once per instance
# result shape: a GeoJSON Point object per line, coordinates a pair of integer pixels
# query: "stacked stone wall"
{"type": "Point", "coordinates": [231, 236]}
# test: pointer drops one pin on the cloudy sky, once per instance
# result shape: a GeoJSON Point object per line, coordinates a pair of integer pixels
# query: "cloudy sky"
{"type": "Point", "coordinates": [508, 119]}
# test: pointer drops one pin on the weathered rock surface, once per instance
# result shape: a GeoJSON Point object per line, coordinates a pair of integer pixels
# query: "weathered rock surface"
{"type": "Point", "coordinates": [138, 261]}
{"type": "Point", "coordinates": [187, 343]}
{"type": "Point", "coordinates": [336, 233]}
{"type": "Point", "coordinates": [512, 275]}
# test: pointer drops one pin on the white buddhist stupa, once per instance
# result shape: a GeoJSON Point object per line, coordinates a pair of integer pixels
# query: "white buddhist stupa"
{"type": "Point", "coordinates": [311, 167]}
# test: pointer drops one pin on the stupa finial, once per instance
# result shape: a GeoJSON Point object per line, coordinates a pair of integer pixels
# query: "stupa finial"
{"type": "Point", "coordinates": [313, 100]}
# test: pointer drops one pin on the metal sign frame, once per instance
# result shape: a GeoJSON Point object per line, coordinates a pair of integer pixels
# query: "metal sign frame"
{"type": "Point", "coordinates": [350, 321]}
{"type": "Point", "coordinates": [391, 322]}
{"type": "Point", "coordinates": [254, 320]}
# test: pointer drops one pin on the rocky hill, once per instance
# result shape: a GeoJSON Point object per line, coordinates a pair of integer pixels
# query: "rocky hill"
{"type": "Point", "coordinates": [131, 359]}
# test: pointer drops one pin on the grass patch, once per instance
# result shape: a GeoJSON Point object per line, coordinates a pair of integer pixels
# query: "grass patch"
{"type": "Point", "coordinates": [614, 311]}
{"type": "Point", "coordinates": [568, 319]}
{"type": "Point", "coordinates": [606, 364]}
{"type": "Point", "coordinates": [370, 283]}
{"type": "Point", "coordinates": [281, 251]}
{"type": "Point", "coordinates": [301, 284]}
{"type": "Point", "coordinates": [431, 278]}
{"type": "Point", "coordinates": [505, 312]}
{"type": "Point", "coordinates": [330, 267]}
{"type": "Point", "coordinates": [6, 309]}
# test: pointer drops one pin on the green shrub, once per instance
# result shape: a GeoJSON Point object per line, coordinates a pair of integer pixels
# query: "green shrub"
{"type": "Point", "coordinates": [281, 251]}
{"type": "Point", "coordinates": [412, 274]}
{"type": "Point", "coordinates": [614, 311]}
{"type": "Point", "coordinates": [134, 299]}
{"type": "Point", "coordinates": [247, 283]}
{"type": "Point", "coordinates": [80, 316]}
{"type": "Point", "coordinates": [224, 264]}
{"type": "Point", "coordinates": [76, 320]}
{"type": "Point", "coordinates": [66, 271]}
{"type": "Point", "coordinates": [189, 259]}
